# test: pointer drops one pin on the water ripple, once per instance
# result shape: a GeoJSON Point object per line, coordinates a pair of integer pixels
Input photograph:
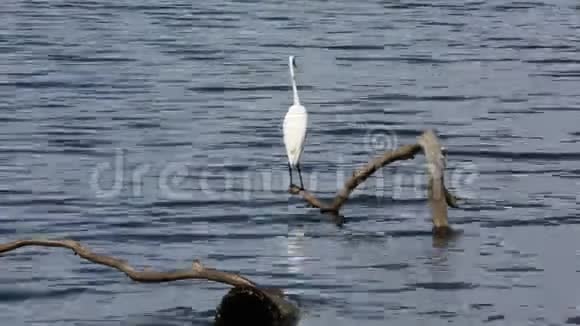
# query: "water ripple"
{"type": "Point", "coordinates": [206, 84]}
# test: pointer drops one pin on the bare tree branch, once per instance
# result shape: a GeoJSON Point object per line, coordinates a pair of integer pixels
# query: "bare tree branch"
{"type": "Point", "coordinates": [310, 199]}
{"type": "Point", "coordinates": [244, 302]}
{"type": "Point", "coordinates": [197, 271]}
{"type": "Point", "coordinates": [436, 166]}
{"type": "Point", "coordinates": [358, 177]}
{"type": "Point", "coordinates": [405, 152]}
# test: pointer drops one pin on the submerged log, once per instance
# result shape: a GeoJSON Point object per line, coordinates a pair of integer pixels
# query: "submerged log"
{"type": "Point", "coordinates": [245, 304]}
{"type": "Point", "coordinates": [258, 307]}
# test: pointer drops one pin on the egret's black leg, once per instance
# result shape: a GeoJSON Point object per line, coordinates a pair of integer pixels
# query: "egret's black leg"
{"type": "Point", "coordinates": [290, 172]}
{"type": "Point", "coordinates": [300, 175]}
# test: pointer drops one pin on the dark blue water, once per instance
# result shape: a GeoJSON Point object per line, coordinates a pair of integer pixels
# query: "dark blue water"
{"type": "Point", "coordinates": [151, 131]}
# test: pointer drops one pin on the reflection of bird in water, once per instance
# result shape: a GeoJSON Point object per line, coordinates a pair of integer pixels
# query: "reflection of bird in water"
{"type": "Point", "coordinates": [295, 249]}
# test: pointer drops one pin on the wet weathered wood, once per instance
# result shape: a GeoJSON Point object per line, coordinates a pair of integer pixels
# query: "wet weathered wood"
{"type": "Point", "coordinates": [436, 188]}
{"type": "Point", "coordinates": [196, 271]}
{"type": "Point", "coordinates": [253, 306]}
{"type": "Point", "coordinates": [439, 196]}
{"type": "Point", "coordinates": [246, 301]}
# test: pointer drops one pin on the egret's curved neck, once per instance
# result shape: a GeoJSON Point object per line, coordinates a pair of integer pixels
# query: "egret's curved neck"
{"type": "Point", "coordinates": [294, 88]}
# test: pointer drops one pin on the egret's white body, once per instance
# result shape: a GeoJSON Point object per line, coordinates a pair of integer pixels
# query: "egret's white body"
{"type": "Point", "coordinates": [295, 127]}
{"type": "Point", "coordinates": [295, 124]}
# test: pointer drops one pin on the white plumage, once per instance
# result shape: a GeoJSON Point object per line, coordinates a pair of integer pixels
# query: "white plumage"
{"type": "Point", "coordinates": [295, 128]}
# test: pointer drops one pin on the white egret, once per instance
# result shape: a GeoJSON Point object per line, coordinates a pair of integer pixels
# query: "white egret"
{"type": "Point", "coordinates": [295, 125]}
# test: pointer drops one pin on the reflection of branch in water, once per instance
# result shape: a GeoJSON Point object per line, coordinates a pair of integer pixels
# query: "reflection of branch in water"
{"type": "Point", "coordinates": [439, 196]}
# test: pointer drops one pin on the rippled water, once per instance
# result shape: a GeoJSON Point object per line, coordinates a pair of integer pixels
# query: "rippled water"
{"type": "Point", "coordinates": [182, 105]}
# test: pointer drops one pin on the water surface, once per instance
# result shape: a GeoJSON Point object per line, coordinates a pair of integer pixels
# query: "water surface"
{"type": "Point", "coordinates": [182, 104]}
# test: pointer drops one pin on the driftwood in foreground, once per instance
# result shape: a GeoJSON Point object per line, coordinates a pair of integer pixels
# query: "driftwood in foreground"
{"type": "Point", "coordinates": [439, 196]}
{"type": "Point", "coordinates": [245, 304]}
{"type": "Point", "coordinates": [249, 306]}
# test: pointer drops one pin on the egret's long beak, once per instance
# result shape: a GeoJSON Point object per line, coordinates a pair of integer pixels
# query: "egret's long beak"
{"type": "Point", "coordinates": [294, 63]}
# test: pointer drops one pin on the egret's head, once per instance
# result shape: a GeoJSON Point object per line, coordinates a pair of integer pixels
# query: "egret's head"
{"type": "Point", "coordinates": [293, 61]}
